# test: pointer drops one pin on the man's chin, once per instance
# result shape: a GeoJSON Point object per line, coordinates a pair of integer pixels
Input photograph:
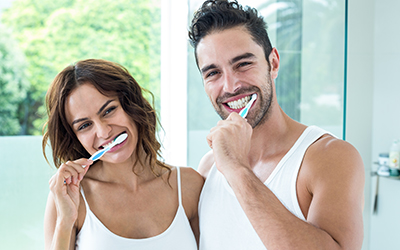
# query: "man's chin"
{"type": "Point", "coordinates": [223, 114]}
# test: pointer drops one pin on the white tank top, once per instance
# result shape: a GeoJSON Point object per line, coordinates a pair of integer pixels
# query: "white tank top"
{"type": "Point", "coordinates": [223, 223]}
{"type": "Point", "coordinates": [179, 235]}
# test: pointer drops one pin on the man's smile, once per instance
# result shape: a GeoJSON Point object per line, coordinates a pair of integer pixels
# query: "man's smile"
{"type": "Point", "coordinates": [239, 103]}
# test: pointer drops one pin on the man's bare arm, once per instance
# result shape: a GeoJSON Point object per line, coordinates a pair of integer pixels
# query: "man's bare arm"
{"type": "Point", "coordinates": [334, 173]}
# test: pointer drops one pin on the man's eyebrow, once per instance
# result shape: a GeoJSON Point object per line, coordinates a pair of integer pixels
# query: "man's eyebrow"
{"type": "Point", "coordinates": [232, 61]}
{"type": "Point", "coordinates": [98, 112]}
{"type": "Point", "coordinates": [240, 57]}
{"type": "Point", "coordinates": [207, 68]}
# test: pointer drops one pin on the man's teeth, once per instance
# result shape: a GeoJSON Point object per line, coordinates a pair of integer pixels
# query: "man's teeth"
{"type": "Point", "coordinates": [238, 104]}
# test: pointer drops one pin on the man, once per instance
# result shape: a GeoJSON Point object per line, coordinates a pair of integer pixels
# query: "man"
{"type": "Point", "coordinates": [271, 182]}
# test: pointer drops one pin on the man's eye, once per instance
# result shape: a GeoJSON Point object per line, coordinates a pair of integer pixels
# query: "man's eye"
{"type": "Point", "coordinates": [212, 73]}
{"type": "Point", "coordinates": [243, 64]}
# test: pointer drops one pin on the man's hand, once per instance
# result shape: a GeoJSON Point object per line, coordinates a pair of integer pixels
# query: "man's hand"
{"type": "Point", "coordinates": [230, 141]}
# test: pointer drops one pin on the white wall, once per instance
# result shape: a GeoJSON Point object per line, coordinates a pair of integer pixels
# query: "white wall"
{"type": "Point", "coordinates": [360, 81]}
{"type": "Point", "coordinates": [373, 120]}
{"type": "Point", "coordinates": [385, 224]}
{"type": "Point", "coordinates": [386, 123]}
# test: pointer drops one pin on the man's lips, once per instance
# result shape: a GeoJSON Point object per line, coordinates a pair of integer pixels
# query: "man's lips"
{"type": "Point", "coordinates": [237, 103]}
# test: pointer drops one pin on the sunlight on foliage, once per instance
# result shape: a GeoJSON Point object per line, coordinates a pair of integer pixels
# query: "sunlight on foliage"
{"type": "Point", "coordinates": [54, 34]}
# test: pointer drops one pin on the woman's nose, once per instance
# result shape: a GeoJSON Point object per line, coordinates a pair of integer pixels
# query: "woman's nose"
{"type": "Point", "coordinates": [103, 129]}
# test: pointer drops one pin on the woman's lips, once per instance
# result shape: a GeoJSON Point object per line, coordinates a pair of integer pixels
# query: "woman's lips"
{"type": "Point", "coordinates": [110, 141]}
{"type": "Point", "coordinates": [118, 146]}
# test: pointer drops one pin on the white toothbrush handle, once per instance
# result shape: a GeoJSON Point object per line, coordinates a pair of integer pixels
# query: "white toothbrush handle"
{"type": "Point", "coordinates": [101, 152]}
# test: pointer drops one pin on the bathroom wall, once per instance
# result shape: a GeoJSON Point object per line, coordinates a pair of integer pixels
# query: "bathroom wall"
{"type": "Point", "coordinates": [360, 90]}
{"type": "Point", "coordinates": [385, 224]}
{"type": "Point", "coordinates": [373, 120]}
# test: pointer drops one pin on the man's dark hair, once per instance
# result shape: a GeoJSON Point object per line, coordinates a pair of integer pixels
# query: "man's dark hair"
{"type": "Point", "coordinates": [219, 15]}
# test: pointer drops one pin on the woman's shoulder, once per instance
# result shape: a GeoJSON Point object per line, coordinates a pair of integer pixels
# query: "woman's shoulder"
{"type": "Point", "coordinates": [191, 177]}
{"type": "Point", "coordinates": [191, 182]}
{"type": "Point", "coordinates": [191, 185]}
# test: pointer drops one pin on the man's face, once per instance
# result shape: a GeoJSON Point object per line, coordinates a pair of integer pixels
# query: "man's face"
{"type": "Point", "coordinates": [234, 67]}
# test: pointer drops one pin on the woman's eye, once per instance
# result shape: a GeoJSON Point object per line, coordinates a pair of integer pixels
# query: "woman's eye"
{"type": "Point", "coordinates": [83, 126]}
{"type": "Point", "coordinates": [109, 110]}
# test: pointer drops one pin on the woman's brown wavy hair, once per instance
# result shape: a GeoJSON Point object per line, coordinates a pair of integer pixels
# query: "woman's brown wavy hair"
{"type": "Point", "coordinates": [110, 79]}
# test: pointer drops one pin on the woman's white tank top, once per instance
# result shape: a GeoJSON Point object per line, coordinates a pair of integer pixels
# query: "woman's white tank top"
{"type": "Point", "coordinates": [223, 223]}
{"type": "Point", "coordinates": [179, 235]}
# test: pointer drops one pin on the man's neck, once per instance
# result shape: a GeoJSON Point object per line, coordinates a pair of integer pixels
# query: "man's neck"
{"type": "Point", "coordinates": [271, 140]}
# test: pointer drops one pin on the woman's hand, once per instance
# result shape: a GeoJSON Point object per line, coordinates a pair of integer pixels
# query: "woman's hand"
{"type": "Point", "coordinates": [64, 186]}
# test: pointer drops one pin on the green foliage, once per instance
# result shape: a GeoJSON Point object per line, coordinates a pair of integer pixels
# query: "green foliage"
{"type": "Point", "coordinates": [54, 34]}
{"type": "Point", "coordinates": [12, 83]}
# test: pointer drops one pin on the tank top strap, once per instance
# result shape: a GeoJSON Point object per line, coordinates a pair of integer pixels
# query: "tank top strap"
{"type": "Point", "coordinates": [84, 198]}
{"type": "Point", "coordinates": [178, 180]}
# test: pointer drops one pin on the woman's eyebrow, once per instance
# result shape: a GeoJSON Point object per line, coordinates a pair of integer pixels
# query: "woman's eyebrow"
{"type": "Point", "coordinates": [104, 106]}
{"type": "Point", "coordinates": [98, 112]}
{"type": "Point", "coordinates": [78, 120]}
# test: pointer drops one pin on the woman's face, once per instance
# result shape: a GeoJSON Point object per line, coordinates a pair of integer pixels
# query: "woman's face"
{"type": "Point", "coordinates": [97, 120]}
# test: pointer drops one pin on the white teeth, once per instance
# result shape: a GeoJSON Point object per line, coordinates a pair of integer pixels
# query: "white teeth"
{"type": "Point", "coordinates": [108, 144]}
{"type": "Point", "coordinates": [238, 104]}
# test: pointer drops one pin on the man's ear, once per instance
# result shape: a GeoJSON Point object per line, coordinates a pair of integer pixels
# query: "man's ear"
{"type": "Point", "coordinates": [274, 63]}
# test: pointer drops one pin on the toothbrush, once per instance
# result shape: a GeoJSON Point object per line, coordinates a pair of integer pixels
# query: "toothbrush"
{"type": "Point", "coordinates": [243, 112]}
{"type": "Point", "coordinates": [101, 152]}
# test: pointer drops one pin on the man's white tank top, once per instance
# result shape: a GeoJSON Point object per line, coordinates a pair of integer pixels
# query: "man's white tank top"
{"type": "Point", "coordinates": [223, 223]}
{"type": "Point", "coordinates": [179, 235]}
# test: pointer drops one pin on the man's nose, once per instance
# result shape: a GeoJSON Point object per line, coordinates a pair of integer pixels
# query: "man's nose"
{"type": "Point", "coordinates": [231, 83]}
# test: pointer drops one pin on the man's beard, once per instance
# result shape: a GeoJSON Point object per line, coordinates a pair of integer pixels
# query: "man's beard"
{"type": "Point", "coordinates": [256, 116]}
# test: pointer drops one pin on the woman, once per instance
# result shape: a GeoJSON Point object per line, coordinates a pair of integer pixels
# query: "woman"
{"type": "Point", "coordinates": [128, 199]}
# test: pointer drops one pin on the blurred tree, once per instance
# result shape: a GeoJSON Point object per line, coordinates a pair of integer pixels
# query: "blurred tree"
{"type": "Point", "coordinates": [13, 83]}
{"type": "Point", "coordinates": [54, 34]}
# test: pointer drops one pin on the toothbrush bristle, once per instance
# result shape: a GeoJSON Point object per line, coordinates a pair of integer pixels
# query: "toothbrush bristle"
{"type": "Point", "coordinates": [120, 138]}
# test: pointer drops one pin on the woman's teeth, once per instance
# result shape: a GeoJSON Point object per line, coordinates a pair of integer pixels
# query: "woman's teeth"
{"type": "Point", "coordinates": [238, 104]}
{"type": "Point", "coordinates": [108, 144]}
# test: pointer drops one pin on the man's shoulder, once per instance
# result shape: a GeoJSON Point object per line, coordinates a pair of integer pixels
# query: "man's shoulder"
{"type": "Point", "coordinates": [330, 145]}
{"type": "Point", "coordinates": [329, 156]}
{"type": "Point", "coordinates": [206, 163]}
